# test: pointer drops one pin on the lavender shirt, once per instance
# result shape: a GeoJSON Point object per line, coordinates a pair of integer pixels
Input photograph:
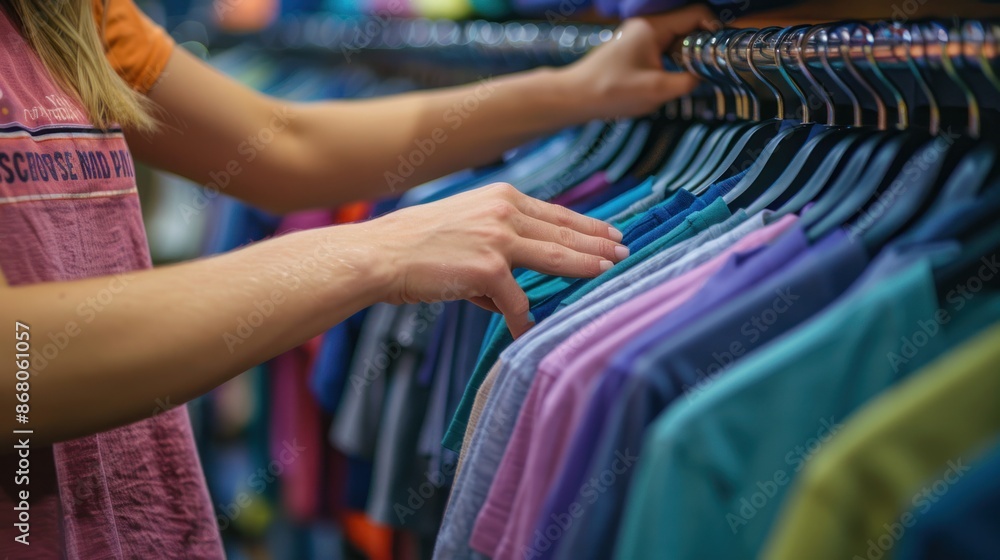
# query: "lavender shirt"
{"type": "Point", "coordinates": [482, 454]}
{"type": "Point", "coordinates": [559, 392]}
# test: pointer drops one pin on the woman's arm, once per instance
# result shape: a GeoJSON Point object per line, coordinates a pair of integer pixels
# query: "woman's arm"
{"type": "Point", "coordinates": [170, 334]}
{"type": "Point", "coordinates": [284, 156]}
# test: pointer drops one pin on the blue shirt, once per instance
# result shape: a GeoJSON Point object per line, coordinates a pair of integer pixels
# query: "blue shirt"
{"type": "Point", "coordinates": [962, 524]}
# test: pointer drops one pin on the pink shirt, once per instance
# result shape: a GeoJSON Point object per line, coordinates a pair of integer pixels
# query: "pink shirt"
{"type": "Point", "coordinates": [69, 210]}
{"type": "Point", "coordinates": [559, 392]}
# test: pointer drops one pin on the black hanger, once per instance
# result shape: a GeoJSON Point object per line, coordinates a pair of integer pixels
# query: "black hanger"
{"type": "Point", "coordinates": [694, 162]}
{"type": "Point", "coordinates": [752, 142]}
{"type": "Point", "coordinates": [844, 178]}
{"type": "Point", "coordinates": [980, 249]}
{"type": "Point", "coordinates": [791, 166]}
{"type": "Point", "coordinates": [890, 158]}
{"type": "Point", "coordinates": [908, 197]}
{"type": "Point", "coordinates": [969, 182]}
{"type": "Point", "coordinates": [630, 152]}
{"type": "Point", "coordinates": [640, 160]}
{"type": "Point", "coordinates": [884, 168]}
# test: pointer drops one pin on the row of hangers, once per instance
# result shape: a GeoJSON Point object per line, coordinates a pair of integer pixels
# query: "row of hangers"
{"type": "Point", "coordinates": [844, 116]}
{"type": "Point", "coordinates": [514, 44]}
{"type": "Point", "coordinates": [854, 73]}
{"type": "Point", "coordinates": [832, 151]}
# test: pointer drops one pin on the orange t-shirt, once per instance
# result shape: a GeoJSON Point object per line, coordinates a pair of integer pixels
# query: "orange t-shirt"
{"type": "Point", "coordinates": [137, 48]}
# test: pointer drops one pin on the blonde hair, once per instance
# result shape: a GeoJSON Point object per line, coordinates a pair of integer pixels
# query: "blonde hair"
{"type": "Point", "coordinates": [67, 39]}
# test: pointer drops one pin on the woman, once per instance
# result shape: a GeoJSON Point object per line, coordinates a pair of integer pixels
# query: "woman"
{"type": "Point", "coordinates": [105, 472]}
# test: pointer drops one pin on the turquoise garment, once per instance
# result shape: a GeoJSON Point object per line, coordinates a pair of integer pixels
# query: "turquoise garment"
{"type": "Point", "coordinates": [715, 467]}
{"type": "Point", "coordinates": [703, 212]}
{"type": "Point", "coordinates": [715, 213]}
{"type": "Point", "coordinates": [612, 208]}
{"type": "Point", "coordinates": [664, 212]}
{"type": "Point", "coordinates": [654, 247]}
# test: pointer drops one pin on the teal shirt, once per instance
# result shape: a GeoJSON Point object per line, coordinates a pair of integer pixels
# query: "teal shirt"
{"type": "Point", "coordinates": [611, 210]}
{"type": "Point", "coordinates": [715, 467]}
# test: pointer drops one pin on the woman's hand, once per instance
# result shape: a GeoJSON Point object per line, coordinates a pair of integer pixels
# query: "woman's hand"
{"type": "Point", "coordinates": [625, 77]}
{"type": "Point", "coordinates": [465, 246]}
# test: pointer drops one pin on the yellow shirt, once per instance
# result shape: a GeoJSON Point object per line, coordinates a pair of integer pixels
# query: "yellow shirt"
{"type": "Point", "coordinates": [898, 454]}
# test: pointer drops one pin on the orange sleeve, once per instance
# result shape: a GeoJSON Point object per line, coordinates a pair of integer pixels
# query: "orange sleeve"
{"type": "Point", "coordinates": [137, 48]}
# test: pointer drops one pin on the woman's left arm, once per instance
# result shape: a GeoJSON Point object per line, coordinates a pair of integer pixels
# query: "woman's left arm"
{"type": "Point", "coordinates": [284, 156]}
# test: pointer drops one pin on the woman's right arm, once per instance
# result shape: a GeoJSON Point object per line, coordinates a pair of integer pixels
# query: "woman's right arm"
{"type": "Point", "coordinates": [129, 343]}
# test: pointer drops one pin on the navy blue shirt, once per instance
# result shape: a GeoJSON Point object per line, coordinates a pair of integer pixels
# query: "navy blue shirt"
{"type": "Point", "coordinates": [963, 523]}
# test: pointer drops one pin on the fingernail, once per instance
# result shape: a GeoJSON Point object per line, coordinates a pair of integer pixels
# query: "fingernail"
{"type": "Point", "coordinates": [606, 265]}
{"type": "Point", "coordinates": [615, 234]}
{"type": "Point", "coordinates": [531, 318]}
{"type": "Point", "coordinates": [621, 252]}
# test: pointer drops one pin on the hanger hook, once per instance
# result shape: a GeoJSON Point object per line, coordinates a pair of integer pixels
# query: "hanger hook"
{"type": "Point", "coordinates": [882, 40]}
{"type": "Point", "coordinates": [712, 58]}
{"type": "Point", "coordinates": [903, 49]}
{"type": "Point", "coordinates": [779, 42]}
{"type": "Point", "coordinates": [817, 87]}
{"type": "Point", "coordinates": [937, 34]}
{"type": "Point", "coordinates": [689, 55]}
{"type": "Point", "coordinates": [823, 49]}
{"type": "Point", "coordinates": [751, 47]}
{"type": "Point", "coordinates": [848, 31]}
{"type": "Point", "coordinates": [980, 45]}
{"type": "Point", "coordinates": [687, 102]}
{"type": "Point", "coordinates": [699, 63]}
{"type": "Point", "coordinates": [729, 47]}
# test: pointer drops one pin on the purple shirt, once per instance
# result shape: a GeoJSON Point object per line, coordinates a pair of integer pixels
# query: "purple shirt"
{"type": "Point", "coordinates": [558, 393]}
{"type": "Point", "coordinates": [588, 188]}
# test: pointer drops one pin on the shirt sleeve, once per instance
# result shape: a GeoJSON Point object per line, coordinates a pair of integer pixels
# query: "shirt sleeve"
{"type": "Point", "coordinates": [137, 48]}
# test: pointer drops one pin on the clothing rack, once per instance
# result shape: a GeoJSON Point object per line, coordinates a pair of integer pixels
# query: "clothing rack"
{"type": "Point", "coordinates": [515, 44]}
{"type": "Point", "coordinates": [885, 67]}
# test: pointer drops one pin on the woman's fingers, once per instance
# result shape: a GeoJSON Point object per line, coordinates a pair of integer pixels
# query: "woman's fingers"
{"type": "Point", "coordinates": [558, 260]}
{"type": "Point", "coordinates": [562, 216]}
{"type": "Point", "coordinates": [539, 230]}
